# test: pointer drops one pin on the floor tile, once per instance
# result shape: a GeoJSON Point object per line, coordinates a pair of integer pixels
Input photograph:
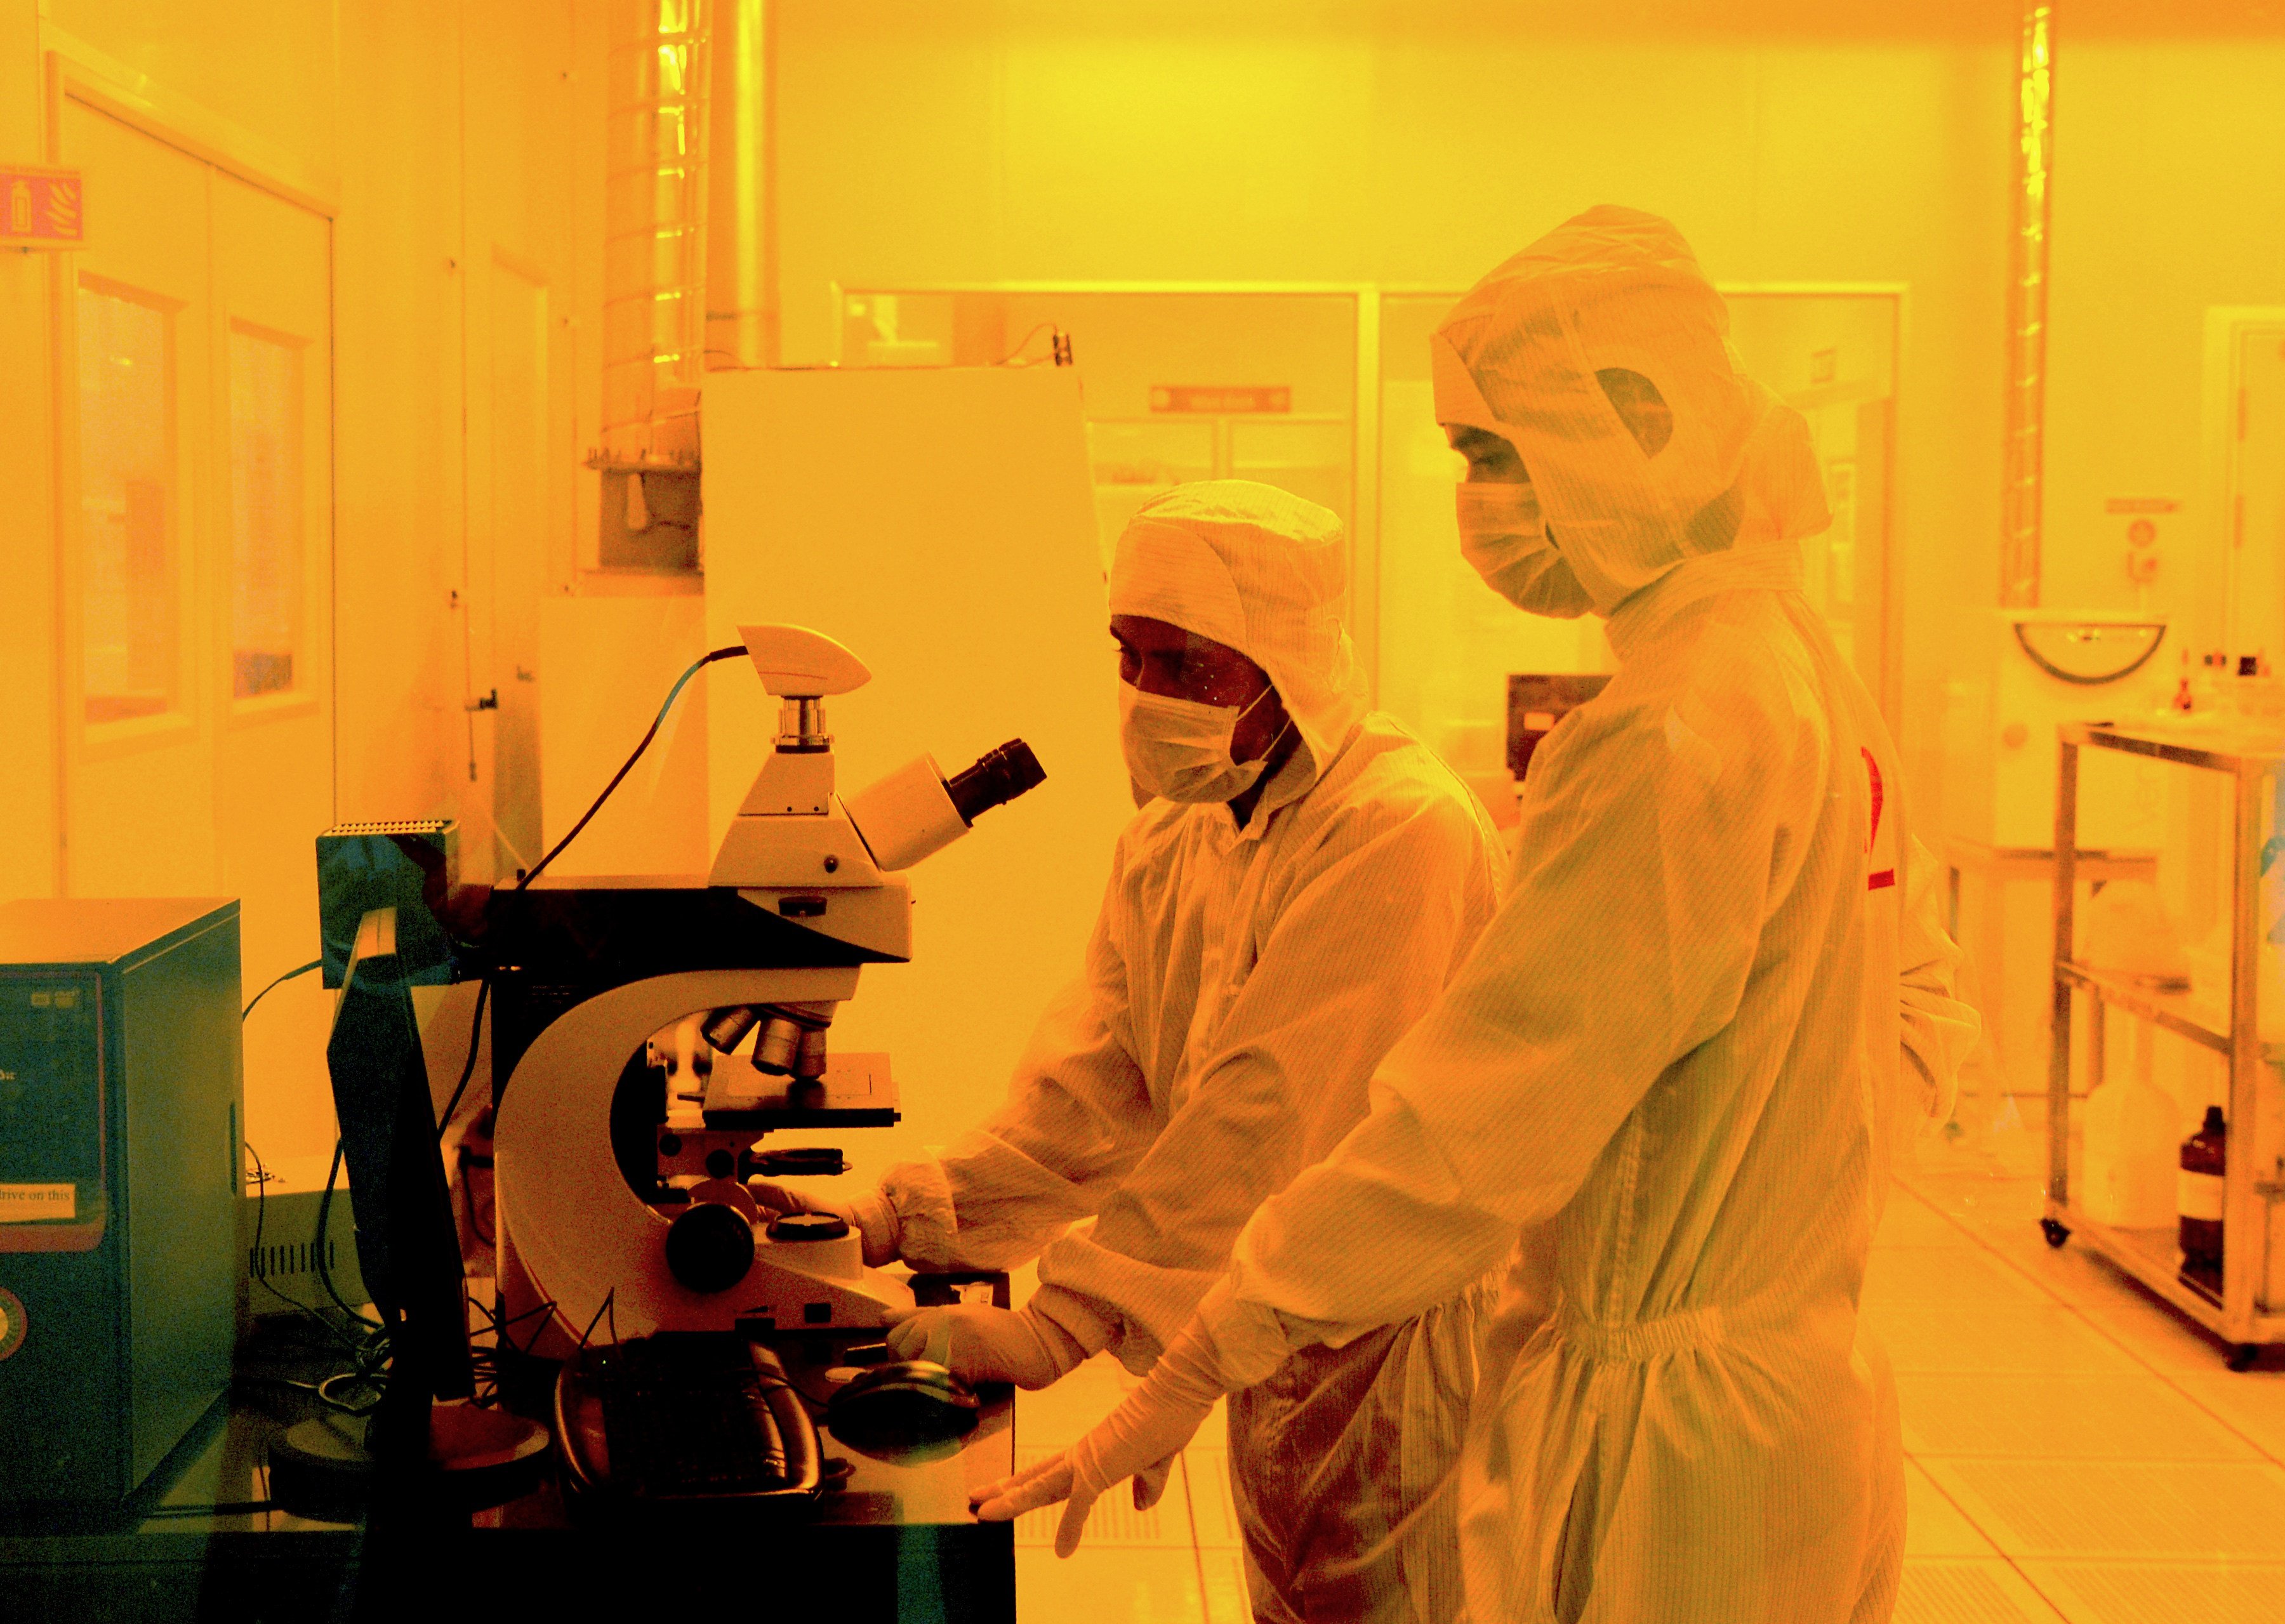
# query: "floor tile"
{"type": "Point", "coordinates": [2030, 1337]}
{"type": "Point", "coordinates": [1110, 1586]}
{"type": "Point", "coordinates": [1944, 1274]}
{"type": "Point", "coordinates": [1223, 1573]}
{"type": "Point", "coordinates": [2162, 1593]}
{"type": "Point", "coordinates": [1910, 1222]}
{"type": "Point", "coordinates": [2154, 1331]}
{"type": "Point", "coordinates": [1967, 1590]}
{"type": "Point", "coordinates": [2044, 1415]}
{"type": "Point", "coordinates": [1114, 1523]}
{"type": "Point", "coordinates": [2252, 1402]}
{"type": "Point", "coordinates": [1214, 1515]}
{"type": "Point", "coordinates": [1934, 1527]}
{"type": "Point", "coordinates": [2182, 1511]}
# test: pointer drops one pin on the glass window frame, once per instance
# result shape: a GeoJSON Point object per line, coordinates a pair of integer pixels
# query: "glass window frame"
{"type": "Point", "coordinates": [299, 696]}
{"type": "Point", "coordinates": [181, 713]}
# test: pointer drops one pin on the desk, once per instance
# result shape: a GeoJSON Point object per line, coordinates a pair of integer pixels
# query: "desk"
{"type": "Point", "coordinates": [897, 1544]}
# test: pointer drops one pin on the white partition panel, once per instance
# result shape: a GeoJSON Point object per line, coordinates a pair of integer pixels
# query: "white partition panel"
{"type": "Point", "coordinates": [606, 665]}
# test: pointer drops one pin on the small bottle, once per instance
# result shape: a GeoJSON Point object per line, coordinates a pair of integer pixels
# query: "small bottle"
{"type": "Point", "coordinates": [2198, 1200]}
{"type": "Point", "coordinates": [2183, 700]}
{"type": "Point", "coordinates": [2206, 684]}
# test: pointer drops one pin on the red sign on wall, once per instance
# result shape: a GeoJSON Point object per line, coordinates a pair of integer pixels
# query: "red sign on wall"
{"type": "Point", "coordinates": [41, 208]}
{"type": "Point", "coordinates": [1219, 399]}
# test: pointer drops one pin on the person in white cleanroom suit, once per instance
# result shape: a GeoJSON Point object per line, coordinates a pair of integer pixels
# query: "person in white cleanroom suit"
{"type": "Point", "coordinates": [1669, 1082]}
{"type": "Point", "coordinates": [1302, 881]}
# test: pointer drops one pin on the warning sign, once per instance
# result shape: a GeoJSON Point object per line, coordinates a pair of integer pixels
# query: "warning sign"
{"type": "Point", "coordinates": [41, 208]}
{"type": "Point", "coordinates": [1222, 400]}
{"type": "Point", "coordinates": [32, 1203]}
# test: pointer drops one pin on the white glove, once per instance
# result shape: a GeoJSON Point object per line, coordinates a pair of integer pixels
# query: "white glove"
{"type": "Point", "coordinates": [1139, 1440]}
{"type": "Point", "coordinates": [1021, 1346]}
{"type": "Point", "coordinates": [864, 1207]}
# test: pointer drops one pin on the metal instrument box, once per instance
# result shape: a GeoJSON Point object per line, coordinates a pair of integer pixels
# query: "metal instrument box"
{"type": "Point", "coordinates": [120, 1261]}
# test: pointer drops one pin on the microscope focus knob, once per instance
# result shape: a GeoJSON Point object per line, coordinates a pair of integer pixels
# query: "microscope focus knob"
{"type": "Point", "coordinates": [710, 1247]}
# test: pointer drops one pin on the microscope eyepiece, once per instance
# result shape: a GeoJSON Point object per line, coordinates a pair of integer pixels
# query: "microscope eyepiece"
{"type": "Point", "coordinates": [997, 777]}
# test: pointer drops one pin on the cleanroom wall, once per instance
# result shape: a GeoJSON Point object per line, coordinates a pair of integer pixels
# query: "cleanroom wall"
{"type": "Point", "coordinates": [428, 151]}
{"type": "Point", "coordinates": [1417, 146]}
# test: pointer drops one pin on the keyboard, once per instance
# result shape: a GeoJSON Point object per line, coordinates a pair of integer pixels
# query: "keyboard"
{"type": "Point", "coordinates": [689, 1415]}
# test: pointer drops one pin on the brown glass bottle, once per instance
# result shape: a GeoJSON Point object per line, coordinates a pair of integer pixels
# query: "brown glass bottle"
{"type": "Point", "coordinates": [2198, 1198]}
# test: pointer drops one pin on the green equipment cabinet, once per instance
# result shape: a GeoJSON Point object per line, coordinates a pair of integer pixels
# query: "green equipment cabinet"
{"type": "Point", "coordinates": [120, 1098]}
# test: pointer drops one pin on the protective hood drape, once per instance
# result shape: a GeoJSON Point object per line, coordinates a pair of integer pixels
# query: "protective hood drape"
{"type": "Point", "coordinates": [1532, 354]}
{"type": "Point", "coordinates": [1262, 571]}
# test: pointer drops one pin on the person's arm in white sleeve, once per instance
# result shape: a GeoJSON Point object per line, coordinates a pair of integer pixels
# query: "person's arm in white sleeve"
{"type": "Point", "coordinates": [1626, 940]}
{"type": "Point", "coordinates": [1939, 1027]}
{"type": "Point", "coordinates": [1360, 950]}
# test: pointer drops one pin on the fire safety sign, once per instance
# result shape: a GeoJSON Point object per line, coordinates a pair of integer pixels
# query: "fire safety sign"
{"type": "Point", "coordinates": [41, 208]}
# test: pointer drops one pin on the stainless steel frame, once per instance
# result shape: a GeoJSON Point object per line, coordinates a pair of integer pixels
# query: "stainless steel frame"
{"type": "Point", "coordinates": [2239, 1314]}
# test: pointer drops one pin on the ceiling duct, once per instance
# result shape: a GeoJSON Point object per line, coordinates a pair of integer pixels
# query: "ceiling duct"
{"type": "Point", "coordinates": [741, 272]}
{"type": "Point", "coordinates": [655, 199]}
{"type": "Point", "coordinates": [2024, 449]}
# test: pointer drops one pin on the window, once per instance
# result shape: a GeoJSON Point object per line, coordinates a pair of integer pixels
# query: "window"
{"type": "Point", "coordinates": [265, 500]}
{"type": "Point", "coordinates": [132, 605]}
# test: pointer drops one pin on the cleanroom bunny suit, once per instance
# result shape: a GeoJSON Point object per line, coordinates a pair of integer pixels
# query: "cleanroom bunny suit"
{"type": "Point", "coordinates": [1241, 984]}
{"type": "Point", "coordinates": [1669, 1083]}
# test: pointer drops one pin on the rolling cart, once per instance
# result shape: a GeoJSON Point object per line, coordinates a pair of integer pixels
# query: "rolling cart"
{"type": "Point", "coordinates": [2241, 1312]}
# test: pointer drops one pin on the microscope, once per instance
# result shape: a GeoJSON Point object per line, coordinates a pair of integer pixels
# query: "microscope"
{"type": "Point", "coordinates": [652, 1030]}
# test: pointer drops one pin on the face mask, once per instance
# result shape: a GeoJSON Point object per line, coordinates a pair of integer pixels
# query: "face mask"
{"type": "Point", "coordinates": [1503, 536]}
{"type": "Point", "coordinates": [1179, 749]}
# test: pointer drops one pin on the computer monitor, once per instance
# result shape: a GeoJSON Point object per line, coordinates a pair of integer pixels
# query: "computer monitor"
{"type": "Point", "coordinates": [408, 1247]}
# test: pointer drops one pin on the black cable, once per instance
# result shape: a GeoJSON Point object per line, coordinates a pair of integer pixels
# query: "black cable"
{"type": "Point", "coordinates": [590, 1331]}
{"type": "Point", "coordinates": [476, 1026]}
{"type": "Point", "coordinates": [261, 1212]}
{"type": "Point", "coordinates": [299, 970]}
{"type": "Point", "coordinates": [673, 694]}
{"type": "Point", "coordinates": [325, 1274]}
{"type": "Point", "coordinates": [378, 1382]}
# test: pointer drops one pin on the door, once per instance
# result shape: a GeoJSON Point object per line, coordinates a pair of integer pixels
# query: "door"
{"type": "Point", "coordinates": [509, 569]}
{"type": "Point", "coordinates": [196, 546]}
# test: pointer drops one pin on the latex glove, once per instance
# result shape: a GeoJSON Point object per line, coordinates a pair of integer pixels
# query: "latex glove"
{"type": "Point", "coordinates": [1139, 1440]}
{"type": "Point", "coordinates": [1021, 1346]}
{"type": "Point", "coordinates": [863, 1206]}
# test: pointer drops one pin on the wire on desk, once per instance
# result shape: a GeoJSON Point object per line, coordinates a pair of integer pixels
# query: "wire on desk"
{"type": "Point", "coordinates": [325, 1274]}
{"type": "Point", "coordinates": [605, 1305]}
{"type": "Point", "coordinates": [261, 1177]}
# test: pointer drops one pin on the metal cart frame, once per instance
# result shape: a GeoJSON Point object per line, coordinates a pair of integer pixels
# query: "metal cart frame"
{"type": "Point", "coordinates": [2151, 1256]}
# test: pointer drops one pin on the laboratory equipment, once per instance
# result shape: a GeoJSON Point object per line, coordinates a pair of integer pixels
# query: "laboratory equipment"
{"type": "Point", "coordinates": [653, 1029]}
{"type": "Point", "coordinates": [414, 1456]}
{"type": "Point", "coordinates": [908, 1398]}
{"type": "Point", "coordinates": [120, 1269]}
{"type": "Point", "coordinates": [1536, 702]}
{"type": "Point", "coordinates": [685, 1418]}
{"type": "Point", "coordinates": [2200, 1201]}
{"type": "Point", "coordinates": [962, 565]}
{"type": "Point", "coordinates": [2242, 1302]}
{"type": "Point", "coordinates": [410, 866]}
